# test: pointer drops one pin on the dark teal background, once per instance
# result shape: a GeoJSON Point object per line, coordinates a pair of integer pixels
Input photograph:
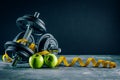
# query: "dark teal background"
{"type": "Point", "coordinates": [80, 26]}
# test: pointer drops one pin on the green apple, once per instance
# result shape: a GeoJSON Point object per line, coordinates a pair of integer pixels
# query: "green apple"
{"type": "Point", "coordinates": [50, 60]}
{"type": "Point", "coordinates": [36, 61]}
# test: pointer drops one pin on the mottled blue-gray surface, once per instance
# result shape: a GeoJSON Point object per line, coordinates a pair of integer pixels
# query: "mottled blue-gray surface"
{"type": "Point", "coordinates": [24, 72]}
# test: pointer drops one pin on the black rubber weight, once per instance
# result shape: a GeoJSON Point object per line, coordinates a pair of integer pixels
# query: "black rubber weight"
{"type": "Point", "coordinates": [43, 45]}
{"type": "Point", "coordinates": [36, 23]}
{"type": "Point", "coordinates": [19, 47]}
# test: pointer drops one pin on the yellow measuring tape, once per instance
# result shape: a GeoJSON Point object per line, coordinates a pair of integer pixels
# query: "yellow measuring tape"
{"type": "Point", "coordinates": [31, 46]}
{"type": "Point", "coordinates": [62, 59]}
{"type": "Point", "coordinates": [22, 41]}
{"type": "Point", "coordinates": [6, 58]}
{"type": "Point", "coordinates": [105, 64]}
{"type": "Point", "coordinates": [95, 63]}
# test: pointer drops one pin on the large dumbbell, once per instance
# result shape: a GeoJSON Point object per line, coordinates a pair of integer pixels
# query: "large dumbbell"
{"type": "Point", "coordinates": [30, 24]}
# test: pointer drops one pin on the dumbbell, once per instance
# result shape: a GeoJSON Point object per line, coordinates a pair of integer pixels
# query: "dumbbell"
{"type": "Point", "coordinates": [31, 25]}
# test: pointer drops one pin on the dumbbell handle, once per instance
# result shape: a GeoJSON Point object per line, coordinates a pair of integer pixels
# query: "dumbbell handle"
{"type": "Point", "coordinates": [14, 62]}
{"type": "Point", "coordinates": [28, 32]}
{"type": "Point", "coordinates": [29, 29]}
{"type": "Point", "coordinates": [36, 14]}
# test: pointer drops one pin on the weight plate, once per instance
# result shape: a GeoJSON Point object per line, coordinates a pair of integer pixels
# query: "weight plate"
{"type": "Point", "coordinates": [37, 24]}
{"type": "Point", "coordinates": [42, 40]}
{"type": "Point", "coordinates": [13, 47]}
{"type": "Point", "coordinates": [47, 42]}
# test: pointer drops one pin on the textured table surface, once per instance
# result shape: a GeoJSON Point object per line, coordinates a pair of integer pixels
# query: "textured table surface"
{"type": "Point", "coordinates": [24, 72]}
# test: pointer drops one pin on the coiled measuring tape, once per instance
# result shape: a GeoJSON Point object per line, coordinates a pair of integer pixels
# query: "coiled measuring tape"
{"type": "Point", "coordinates": [6, 57]}
{"type": "Point", "coordinates": [31, 46]}
{"type": "Point", "coordinates": [62, 59]}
